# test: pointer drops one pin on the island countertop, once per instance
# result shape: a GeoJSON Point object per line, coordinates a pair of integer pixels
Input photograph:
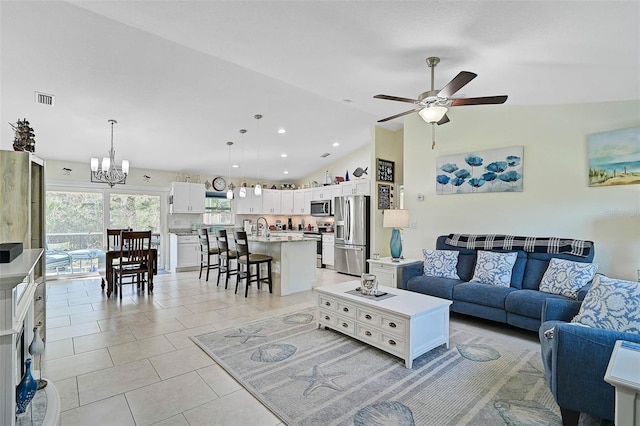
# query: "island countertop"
{"type": "Point", "coordinates": [277, 239]}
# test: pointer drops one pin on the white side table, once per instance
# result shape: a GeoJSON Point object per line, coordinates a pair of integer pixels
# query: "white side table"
{"type": "Point", "coordinates": [389, 273]}
{"type": "Point", "coordinates": [623, 373]}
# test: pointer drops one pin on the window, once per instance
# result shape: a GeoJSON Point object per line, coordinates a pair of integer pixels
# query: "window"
{"type": "Point", "coordinates": [136, 211]}
{"type": "Point", "coordinates": [218, 210]}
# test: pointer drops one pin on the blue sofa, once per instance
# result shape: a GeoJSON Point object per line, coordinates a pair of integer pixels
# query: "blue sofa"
{"type": "Point", "coordinates": [576, 359]}
{"type": "Point", "coordinates": [519, 305]}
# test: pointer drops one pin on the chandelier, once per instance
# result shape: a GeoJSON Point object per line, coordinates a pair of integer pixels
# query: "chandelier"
{"type": "Point", "coordinates": [109, 173]}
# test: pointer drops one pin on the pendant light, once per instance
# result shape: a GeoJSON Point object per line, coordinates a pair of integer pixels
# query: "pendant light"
{"type": "Point", "coordinates": [229, 191]}
{"type": "Point", "coordinates": [258, 188]}
{"type": "Point", "coordinates": [243, 185]}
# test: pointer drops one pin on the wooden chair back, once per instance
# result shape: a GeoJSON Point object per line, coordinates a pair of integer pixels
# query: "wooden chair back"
{"type": "Point", "coordinates": [135, 250]}
{"type": "Point", "coordinates": [242, 245]}
{"type": "Point", "coordinates": [203, 237]}
{"type": "Point", "coordinates": [223, 243]}
{"type": "Point", "coordinates": [114, 237]}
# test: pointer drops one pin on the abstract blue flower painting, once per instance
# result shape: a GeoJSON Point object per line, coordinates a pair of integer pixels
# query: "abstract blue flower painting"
{"type": "Point", "coordinates": [614, 157]}
{"type": "Point", "coordinates": [492, 170]}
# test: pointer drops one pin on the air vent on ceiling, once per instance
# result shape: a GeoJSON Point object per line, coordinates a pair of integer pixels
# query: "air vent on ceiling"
{"type": "Point", "coordinates": [44, 99]}
{"type": "Point", "coordinates": [325, 155]}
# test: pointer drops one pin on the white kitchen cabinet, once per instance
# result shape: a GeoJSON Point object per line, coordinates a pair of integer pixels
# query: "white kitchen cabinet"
{"type": "Point", "coordinates": [271, 201]}
{"type": "Point", "coordinates": [187, 197]}
{"type": "Point", "coordinates": [184, 252]}
{"type": "Point", "coordinates": [328, 241]}
{"type": "Point", "coordinates": [322, 193]}
{"type": "Point", "coordinates": [302, 201]}
{"type": "Point", "coordinates": [249, 204]}
{"type": "Point", "coordinates": [286, 202]}
{"type": "Point", "coordinates": [356, 187]}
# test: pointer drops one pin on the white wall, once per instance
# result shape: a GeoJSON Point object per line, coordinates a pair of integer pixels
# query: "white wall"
{"type": "Point", "coordinates": [359, 158]}
{"type": "Point", "coordinates": [556, 200]}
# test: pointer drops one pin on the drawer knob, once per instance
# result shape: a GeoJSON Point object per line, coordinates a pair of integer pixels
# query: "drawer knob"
{"type": "Point", "coordinates": [38, 298]}
{"type": "Point", "coordinates": [368, 333]}
{"type": "Point", "coordinates": [345, 325]}
{"type": "Point", "coordinates": [392, 325]}
{"type": "Point", "coordinates": [367, 316]}
{"type": "Point", "coordinates": [392, 342]}
{"type": "Point", "coordinates": [345, 309]}
{"type": "Point", "coordinates": [326, 317]}
{"type": "Point", "coordinates": [327, 303]}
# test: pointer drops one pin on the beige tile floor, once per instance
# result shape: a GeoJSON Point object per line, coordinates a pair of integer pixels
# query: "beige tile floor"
{"type": "Point", "coordinates": [131, 362]}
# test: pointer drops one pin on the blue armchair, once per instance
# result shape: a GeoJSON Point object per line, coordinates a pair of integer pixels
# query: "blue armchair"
{"type": "Point", "coordinates": [575, 360]}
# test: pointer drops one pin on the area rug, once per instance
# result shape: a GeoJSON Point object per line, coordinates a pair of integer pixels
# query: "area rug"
{"type": "Point", "coordinates": [311, 376]}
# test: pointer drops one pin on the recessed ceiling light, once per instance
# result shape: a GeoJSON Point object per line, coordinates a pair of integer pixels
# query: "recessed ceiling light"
{"type": "Point", "coordinates": [286, 172]}
{"type": "Point", "coordinates": [283, 155]}
{"type": "Point", "coordinates": [336, 144]}
{"type": "Point", "coordinates": [235, 166]}
{"type": "Point", "coordinates": [347, 101]}
{"type": "Point", "coordinates": [282, 131]}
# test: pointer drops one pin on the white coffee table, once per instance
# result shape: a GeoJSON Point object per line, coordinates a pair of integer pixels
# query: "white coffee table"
{"type": "Point", "coordinates": [406, 325]}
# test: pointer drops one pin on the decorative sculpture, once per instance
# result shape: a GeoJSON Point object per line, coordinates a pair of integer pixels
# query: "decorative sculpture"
{"type": "Point", "coordinates": [36, 348]}
{"type": "Point", "coordinates": [26, 390]}
{"type": "Point", "coordinates": [24, 138]}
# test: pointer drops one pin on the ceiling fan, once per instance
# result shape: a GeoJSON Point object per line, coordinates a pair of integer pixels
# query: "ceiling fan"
{"type": "Point", "coordinates": [433, 105]}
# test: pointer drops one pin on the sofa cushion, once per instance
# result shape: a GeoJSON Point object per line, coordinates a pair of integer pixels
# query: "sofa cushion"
{"type": "Point", "coordinates": [441, 263]}
{"type": "Point", "coordinates": [482, 294]}
{"type": "Point", "coordinates": [433, 286]}
{"type": "Point", "coordinates": [494, 268]}
{"type": "Point", "coordinates": [527, 302]}
{"type": "Point", "coordinates": [611, 304]}
{"type": "Point", "coordinates": [566, 278]}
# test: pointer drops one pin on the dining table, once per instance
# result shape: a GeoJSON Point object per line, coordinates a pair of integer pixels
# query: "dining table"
{"type": "Point", "coordinates": [115, 253]}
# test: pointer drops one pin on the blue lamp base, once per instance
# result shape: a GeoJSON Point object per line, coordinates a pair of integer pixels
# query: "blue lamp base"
{"type": "Point", "coordinates": [396, 245]}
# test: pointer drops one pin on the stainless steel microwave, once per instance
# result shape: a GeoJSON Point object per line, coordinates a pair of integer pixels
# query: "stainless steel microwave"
{"type": "Point", "coordinates": [321, 208]}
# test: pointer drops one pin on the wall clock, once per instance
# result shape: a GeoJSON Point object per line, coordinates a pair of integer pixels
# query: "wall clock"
{"type": "Point", "coordinates": [219, 184]}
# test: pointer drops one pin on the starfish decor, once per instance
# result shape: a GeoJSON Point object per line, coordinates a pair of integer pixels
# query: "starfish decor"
{"type": "Point", "coordinates": [246, 334]}
{"type": "Point", "coordinates": [319, 379]}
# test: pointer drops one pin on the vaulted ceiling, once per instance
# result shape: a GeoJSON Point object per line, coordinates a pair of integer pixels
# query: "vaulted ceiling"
{"type": "Point", "coordinates": [183, 77]}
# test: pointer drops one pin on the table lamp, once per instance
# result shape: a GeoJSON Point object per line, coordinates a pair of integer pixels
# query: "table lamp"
{"type": "Point", "coordinates": [396, 219]}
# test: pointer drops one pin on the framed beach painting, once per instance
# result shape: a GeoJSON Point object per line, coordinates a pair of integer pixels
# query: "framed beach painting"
{"type": "Point", "coordinates": [492, 170]}
{"type": "Point", "coordinates": [614, 157]}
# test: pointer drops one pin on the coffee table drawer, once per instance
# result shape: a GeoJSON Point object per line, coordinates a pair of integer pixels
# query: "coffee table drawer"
{"type": "Point", "coordinates": [368, 334]}
{"type": "Point", "coordinates": [328, 318]}
{"type": "Point", "coordinates": [345, 326]}
{"type": "Point", "coordinates": [328, 303]}
{"type": "Point", "coordinates": [393, 344]}
{"type": "Point", "coordinates": [368, 316]}
{"type": "Point", "coordinates": [346, 309]}
{"type": "Point", "coordinates": [393, 324]}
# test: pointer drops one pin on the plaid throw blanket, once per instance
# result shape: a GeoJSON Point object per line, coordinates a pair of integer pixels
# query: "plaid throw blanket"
{"type": "Point", "coordinates": [512, 242]}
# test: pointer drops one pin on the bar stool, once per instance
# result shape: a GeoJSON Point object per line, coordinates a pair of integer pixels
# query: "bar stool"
{"type": "Point", "coordinates": [247, 259]}
{"type": "Point", "coordinates": [225, 256]}
{"type": "Point", "coordinates": [206, 253]}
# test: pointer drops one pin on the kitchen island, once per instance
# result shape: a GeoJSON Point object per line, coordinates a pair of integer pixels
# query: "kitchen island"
{"type": "Point", "coordinates": [294, 261]}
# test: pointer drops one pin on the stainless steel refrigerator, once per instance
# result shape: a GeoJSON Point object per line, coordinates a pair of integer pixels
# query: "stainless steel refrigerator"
{"type": "Point", "coordinates": [351, 217]}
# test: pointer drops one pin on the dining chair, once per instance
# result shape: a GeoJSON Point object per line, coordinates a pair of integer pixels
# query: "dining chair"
{"type": "Point", "coordinates": [225, 257]}
{"type": "Point", "coordinates": [207, 251]}
{"type": "Point", "coordinates": [246, 260]}
{"type": "Point", "coordinates": [114, 243]}
{"type": "Point", "coordinates": [135, 259]}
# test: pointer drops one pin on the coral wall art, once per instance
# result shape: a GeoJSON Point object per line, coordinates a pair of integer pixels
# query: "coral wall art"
{"type": "Point", "coordinates": [492, 170]}
{"type": "Point", "coordinates": [614, 157]}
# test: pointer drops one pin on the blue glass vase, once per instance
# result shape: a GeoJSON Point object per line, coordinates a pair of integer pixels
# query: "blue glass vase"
{"type": "Point", "coordinates": [26, 390]}
{"type": "Point", "coordinates": [395, 244]}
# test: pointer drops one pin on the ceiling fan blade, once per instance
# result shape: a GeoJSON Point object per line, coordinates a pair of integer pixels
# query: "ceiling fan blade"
{"type": "Point", "coordinates": [458, 82]}
{"type": "Point", "coordinates": [396, 98]}
{"type": "Point", "coordinates": [480, 101]}
{"type": "Point", "coordinates": [399, 115]}
{"type": "Point", "coordinates": [443, 120]}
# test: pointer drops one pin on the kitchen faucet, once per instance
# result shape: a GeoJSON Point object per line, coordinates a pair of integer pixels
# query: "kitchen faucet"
{"type": "Point", "coordinates": [266, 226]}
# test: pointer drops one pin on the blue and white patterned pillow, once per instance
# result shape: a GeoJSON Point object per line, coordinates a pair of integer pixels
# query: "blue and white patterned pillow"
{"type": "Point", "coordinates": [494, 268]}
{"type": "Point", "coordinates": [566, 278]}
{"type": "Point", "coordinates": [441, 263]}
{"type": "Point", "coordinates": [611, 304]}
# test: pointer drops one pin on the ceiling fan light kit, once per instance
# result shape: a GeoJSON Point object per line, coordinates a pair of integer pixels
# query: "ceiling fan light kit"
{"type": "Point", "coordinates": [433, 105]}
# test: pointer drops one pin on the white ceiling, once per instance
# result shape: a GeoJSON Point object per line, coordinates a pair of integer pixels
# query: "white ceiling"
{"type": "Point", "coordinates": [183, 77]}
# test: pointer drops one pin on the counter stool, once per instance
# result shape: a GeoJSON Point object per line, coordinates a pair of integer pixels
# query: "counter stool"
{"type": "Point", "coordinates": [247, 259]}
{"type": "Point", "coordinates": [206, 253]}
{"type": "Point", "coordinates": [225, 256]}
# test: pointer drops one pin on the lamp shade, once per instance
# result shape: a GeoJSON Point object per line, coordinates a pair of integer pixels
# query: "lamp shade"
{"type": "Point", "coordinates": [396, 218]}
{"type": "Point", "coordinates": [432, 114]}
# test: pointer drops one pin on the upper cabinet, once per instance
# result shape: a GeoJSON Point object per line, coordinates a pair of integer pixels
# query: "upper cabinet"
{"type": "Point", "coordinates": [302, 201]}
{"type": "Point", "coordinates": [322, 193]}
{"type": "Point", "coordinates": [187, 197]}
{"type": "Point", "coordinates": [249, 204]}
{"type": "Point", "coordinates": [271, 201]}
{"type": "Point", "coordinates": [286, 202]}
{"type": "Point", "coordinates": [356, 187]}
